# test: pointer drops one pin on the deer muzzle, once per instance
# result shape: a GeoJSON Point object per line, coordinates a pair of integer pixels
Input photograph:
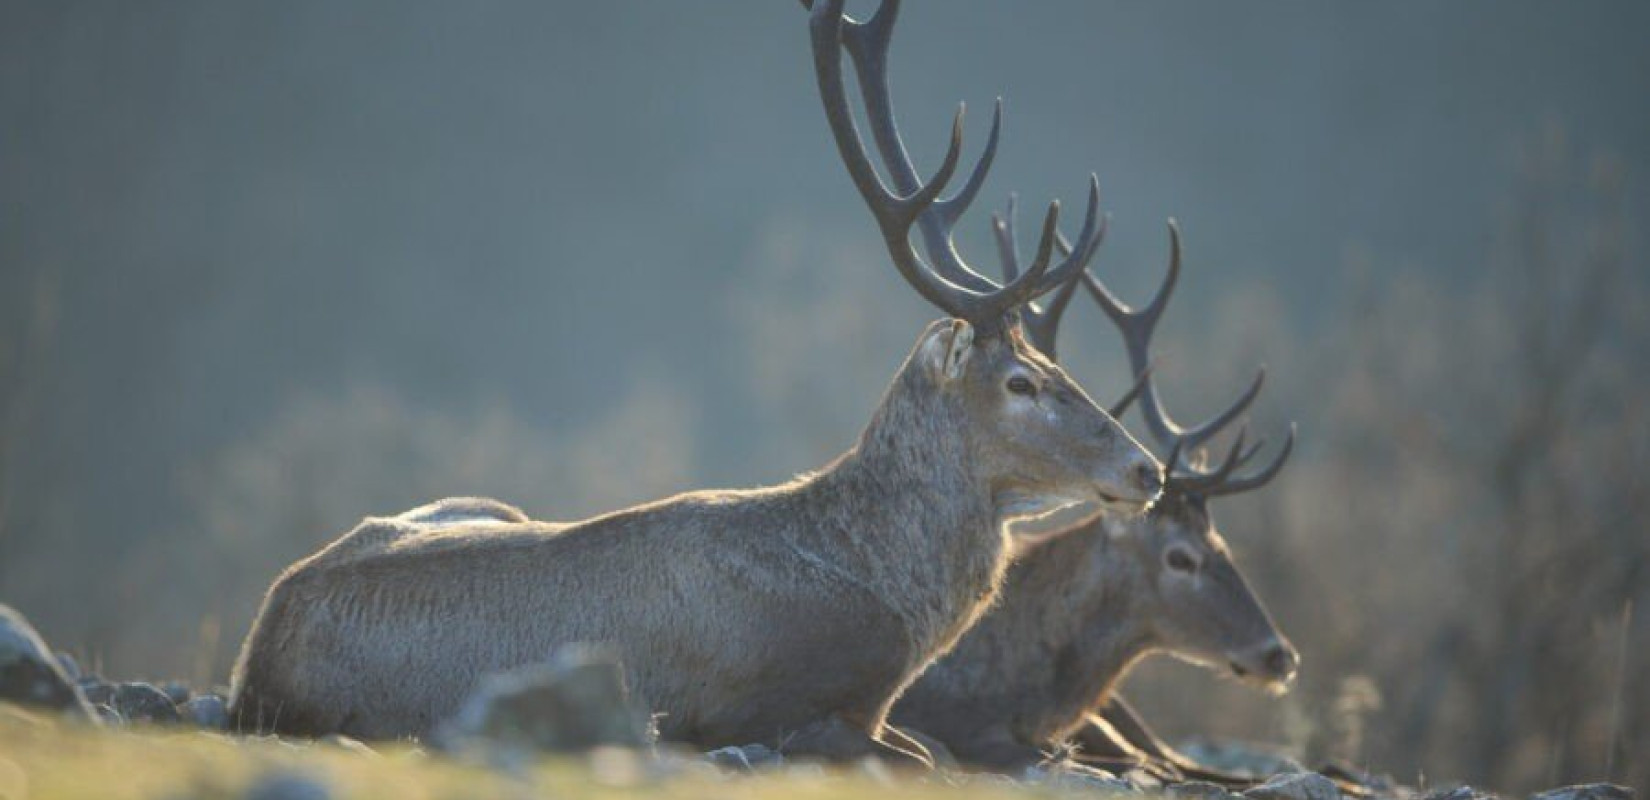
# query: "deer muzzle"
{"type": "Point", "coordinates": [1271, 664]}
{"type": "Point", "coordinates": [1133, 485]}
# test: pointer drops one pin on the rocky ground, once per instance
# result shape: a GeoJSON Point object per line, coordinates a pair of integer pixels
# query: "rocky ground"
{"type": "Point", "coordinates": [561, 729]}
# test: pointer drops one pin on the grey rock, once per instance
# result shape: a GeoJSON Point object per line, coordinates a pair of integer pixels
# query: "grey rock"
{"type": "Point", "coordinates": [1067, 775]}
{"type": "Point", "coordinates": [209, 711]}
{"type": "Point", "coordinates": [1295, 786]}
{"type": "Point", "coordinates": [1199, 790]}
{"type": "Point", "coordinates": [107, 714]}
{"type": "Point", "coordinates": [1141, 779]}
{"type": "Point", "coordinates": [1344, 774]}
{"type": "Point", "coordinates": [1458, 793]}
{"type": "Point", "coordinates": [287, 786]}
{"type": "Point", "coordinates": [97, 691]}
{"type": "Point", "coordinates": [177, 691]}
{"type": "Point", "coordinates": [1244, 758]}
{"type": "Point", "coordinates": [575, 702]}
{"type": "Point", "coordinates": [142, 702]}
{"type": "Point", "coordinates": [1587, 791]}
{"type": "Point", "coordinates": [991, 779]}
{"type": "Point", "coordinates": [746, 758]}
{"type": "Point", "coordinates": [30, 674]}
{"type": "Point", "coordinates": [70, 666]}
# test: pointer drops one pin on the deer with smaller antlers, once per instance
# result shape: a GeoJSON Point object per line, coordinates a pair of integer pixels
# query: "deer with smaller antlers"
{"type": "Point", "coordinates": [794, 613]}
{"type": "Point", "coordinates": [1081, 608]}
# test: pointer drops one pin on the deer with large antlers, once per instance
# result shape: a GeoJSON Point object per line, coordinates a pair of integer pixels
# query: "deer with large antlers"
{"type": "Point", "coordinates": [795, 612]}
{"type": "Point", "coordinates": [1078, 610]}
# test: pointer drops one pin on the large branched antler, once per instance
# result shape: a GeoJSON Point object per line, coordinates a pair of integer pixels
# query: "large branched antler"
{"type": "Point", "coordinates": [948, 282]}
{"type": "Point", "coordinates": [1042, 325]}
{"type": "Point", "coordinates": [1137, 328]}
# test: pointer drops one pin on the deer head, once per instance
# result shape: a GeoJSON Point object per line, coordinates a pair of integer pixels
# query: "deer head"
{"type": "Point", "coordinates": [1031, 425]}
{"type": "Point", "coordinates": [1197, 601]}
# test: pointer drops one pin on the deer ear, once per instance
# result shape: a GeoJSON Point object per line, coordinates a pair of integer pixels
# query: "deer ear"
{"type": "Point", "coordinates": [948, 348]}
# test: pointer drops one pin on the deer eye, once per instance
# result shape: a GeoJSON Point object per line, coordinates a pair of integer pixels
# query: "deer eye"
{"type": "Point", "coordinates": [1180, 561]}
{"type": "Point", "coordinates": [1020, 384]}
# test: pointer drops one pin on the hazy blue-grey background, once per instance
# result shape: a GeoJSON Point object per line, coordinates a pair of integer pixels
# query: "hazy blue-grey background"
{"type": "Point", "coordinates": [267, 268]}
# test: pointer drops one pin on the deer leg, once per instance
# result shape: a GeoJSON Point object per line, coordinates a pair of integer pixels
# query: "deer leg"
{"type": "Point", "coordinates": [838, 740]}
{"type": "Point", "coordinates": [1126, 722]}
{"type": "Point", "coordinates": [1098, 739]}
{"type": "Point", "coordinates": [913, 740]}
{"type": "Point", "coordinates": [1100, 744]}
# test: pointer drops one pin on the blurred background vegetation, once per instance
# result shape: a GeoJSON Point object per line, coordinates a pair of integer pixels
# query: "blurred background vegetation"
{"type": "Point", "coordinates": [267, 269]}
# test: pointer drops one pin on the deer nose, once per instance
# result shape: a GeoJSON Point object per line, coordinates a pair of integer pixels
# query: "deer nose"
{"type": "Point", "coordinates": [1148, 478]}
{"type": "Point", "coordinates": [1272, 662]}
{"type": "Point", "coordinates": [1281, 661]}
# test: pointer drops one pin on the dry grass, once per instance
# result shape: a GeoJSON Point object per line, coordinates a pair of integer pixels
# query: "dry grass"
{"type": "Point", "coordinates": [45, 759]}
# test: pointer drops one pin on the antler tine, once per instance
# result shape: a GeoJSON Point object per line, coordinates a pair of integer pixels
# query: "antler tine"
{"type": "Point", "coordinates": [1137, 328]}
{"type": "Point", "coordinates": [1261, 478]}
{"type": "Point", "coordinates": [1042, 325]}
{"type": "Point", "coordinates": [1197, 480]}
{"type": "Point", "coordinates": [1123, 403]}
{"type": "Point", "coordinates": [1029, 284]}
{"type": "Point", "coordinates": [1174, 458]}
{"type": "Point", "coordinates": [894, 214]}
{"type": "Point", "coordinates": [867, 44]}
{"type": "Point", "coordinates": [948, 210]}
{"type": "Point", "coordinates": [1018, 292]}
{"type": "Point", "coordinates": [1008, 245]}
{"type": "Point", "coordinates": [990, 309]}
{"type": "Point", "coordinates": [1075, 260]}
{"type": "Point", "coordinates": [1202, 433]}
{"type": "Point", "coordinates": [1249, 455]}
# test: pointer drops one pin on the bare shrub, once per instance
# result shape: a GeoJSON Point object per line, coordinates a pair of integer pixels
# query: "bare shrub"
{"type": "Point", "coordinates": [1465, 525]}
{"type": "Point", "coordinates": [25, 339]}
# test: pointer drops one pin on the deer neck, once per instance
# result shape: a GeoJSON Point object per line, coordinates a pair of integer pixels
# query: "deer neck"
{"type": "Point", "coordinates": [905, 513]}
{"type": "Point", "coordinates": [1065, 631]}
